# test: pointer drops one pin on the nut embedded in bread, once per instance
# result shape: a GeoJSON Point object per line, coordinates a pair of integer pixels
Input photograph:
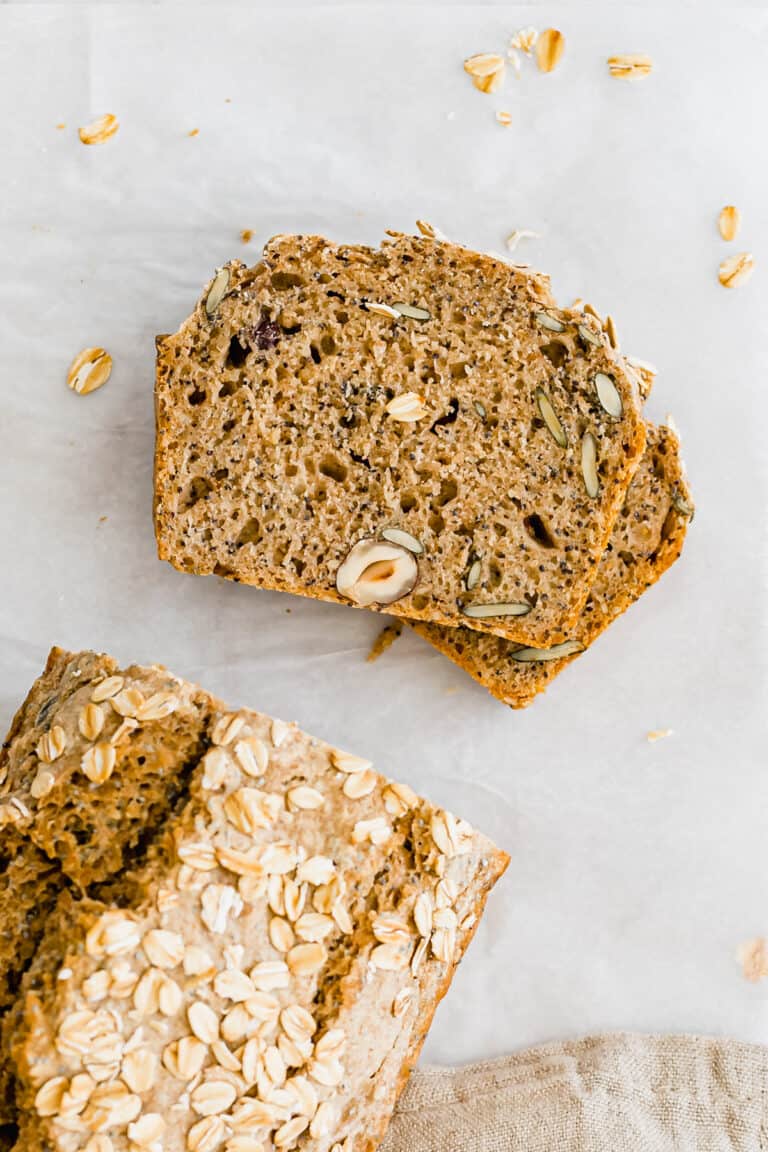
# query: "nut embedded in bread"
{"type": "Point", "coordinates": [267, 968]}
{"type": "Point", "coordinates": [333, 395]}
{"type": "Point", "coordinates": [647, 538]}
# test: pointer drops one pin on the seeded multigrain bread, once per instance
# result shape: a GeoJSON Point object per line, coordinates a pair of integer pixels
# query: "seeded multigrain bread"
{"type": "Point", "coordinates": [415, 427]}
{"type": "Point", "coordinates": [263, 967]}
{"type": "Point", "coordinates": [647, 538]}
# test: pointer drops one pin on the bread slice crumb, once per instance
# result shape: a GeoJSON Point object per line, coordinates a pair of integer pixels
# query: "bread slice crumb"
{"type": "Point", "coordinates": [384, 640]}
{"type": "Point", "coordinates": [753, 957]}
{"type": "Point", "coordinates": [658, 734]}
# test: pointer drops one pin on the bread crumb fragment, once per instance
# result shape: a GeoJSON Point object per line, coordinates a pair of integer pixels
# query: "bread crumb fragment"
{"type": "Point", "coordinates": [384, 640]}
{"type": "Point", "coordinates": [246, 236]}
{"type": "Point", "coordinates": [194, 132]}
{"type": "Point", "coordinates": [657, 734]}
{"type": "Point", "coordinates": [504, 118]}
{"type": "Point", "coordinates": [753, 957]}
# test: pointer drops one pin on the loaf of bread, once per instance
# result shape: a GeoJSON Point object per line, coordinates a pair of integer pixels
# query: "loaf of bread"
{"type": "Point", "coordinates": [647, 538]}
{"type": "Point", "coordinates": [258, 965]}
{"type": "Point", "coordinates": [415, 428]}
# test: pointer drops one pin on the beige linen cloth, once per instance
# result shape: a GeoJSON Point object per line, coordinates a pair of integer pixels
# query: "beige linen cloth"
{"type": "Point", "coordinates": [614, 1093]}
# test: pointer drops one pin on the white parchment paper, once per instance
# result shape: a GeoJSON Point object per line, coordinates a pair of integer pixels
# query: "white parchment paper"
{"type": "Point", "coordinates": [637, 869]}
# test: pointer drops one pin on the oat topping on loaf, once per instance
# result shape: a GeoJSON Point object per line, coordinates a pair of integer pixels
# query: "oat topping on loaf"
{"type": "Point", "coordinates": [220, 991]}
{"type": "Point", "coordinates": [333, 395]}
{"type": "Point", "coordinates": [647, 538]}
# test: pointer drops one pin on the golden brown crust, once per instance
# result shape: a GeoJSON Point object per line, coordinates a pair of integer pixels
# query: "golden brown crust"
{"type": "Point", "coordinates": [273, 486]}
{"type": "Point", "coordinates": [647, 539]}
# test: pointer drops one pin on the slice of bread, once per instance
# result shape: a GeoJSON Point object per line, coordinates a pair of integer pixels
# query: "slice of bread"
{"type": "Point", "coordinates": [647, 538]}
{"type": "Point", "coordinates": [219, 982]}
{"type": "Point", "coordinates": [415, 428]}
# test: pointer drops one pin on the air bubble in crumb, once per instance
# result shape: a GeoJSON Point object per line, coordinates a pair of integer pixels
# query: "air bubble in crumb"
{"type": "Point", "coordinates": [753, 957]}
{"type": "Point", "coordinates": [658, 734]}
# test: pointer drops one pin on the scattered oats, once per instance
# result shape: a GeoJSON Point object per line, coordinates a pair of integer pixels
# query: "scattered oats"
{"type": "Point", "coordinates": [753, 957]}
{"type": "Point", "coordinates": [316, 869]}
{"type": "Point", "coordinates": [51, 744]}
{"type": "Point", "coordinates": [139, 1070]}
{"type": "Point", "coordinates": [314, 926]}
{"type": "Point", "coordinates": [735, 270]}
{"type": "Point", "coordinates": [274, 1065]}
{"type": "Point", "coordinates": [279, 858]}
{"type": "Point", "coordinates": [99, 130]}
{"type": "Point", "coordinates": [408, 407]}
{"type": "Point", "coordinates": [128, 702]}
{"type": "Point", "coordinates": [197, 854]}
{"type": "Point", "coordinates": [91, 721]}
{"type": "Point", "coordinates": [252, 756]}
{"type": "Point", "coordinates": [252, 1113]}
{"type": "Point", "coordinates": [422, 914]}
{"type": "Point", "coordinates": [658, 734]}
{"type": "Point", "coordinates": [42, 784]}
{"type": "Point", "coordinates": [390, 958]}
{"type": "Point", "coordinates": [147, 1131]}
{"type": "Point", "coordinates": [297, 1023]}
{"type": "Point", "coordinates": [550, 46]}
{"type": "Point", "coordinates": [197, 961]}
{"type": "Point", "coordinates": [269, 974]}
{"type": "Point", "coordinates": [224, 1057]}
{"type": "Point", "coordinates": [232, 985]}
{"type": "Point", "coordinates": [401, 1002]}
{"type": "Point", "coordinates": [212, 1097]}
{"type": "Point", "coordinates": [729, 222]}
{"type": "Point", "coordinates": [360, 784]}
{"type": "Point", "coordinates": [304, 1094]}
{"type": "Point", "coordinates": [49, 1096]}
{"type": "Point", "coordinates": [323, 1121]}
{"type": "Point", "coordinates": [518, 234]}
{"type": "Point", "coordinates": [247, 863]}
{"type": "Point", "coordinates": [98, 763]}
{"type": "Point", "coordinates": [164, 949]}
{"type": "Point", "coordinates": [390, 929]}
{"type": "Point", "coordinates": [206, 1135]}
{"type": "Point", "coordinates": [263, 1006]}
{"type": "Point", "coordinates": [157, 707]}
{"type": "Point", "coordinates": [304, 797]}
{"type": "Point", "coordinates": [185, 1057]}
{"type": "Point", "coordinates": [219, 901]}
{"type": "Point", "coordinates": [346, 762]}
{"type": "Point", "coordinates": [306, 959]}
{"type": "Point", "coordinates": [295, 1055]}
{"type": "Point", "coordinates": [166, 899]}
{"type": "Point", "coordinates": [203, 1021]}
{"type": "Point", "coordinates": [289, 1132]}
{"type": "Point", "coordinates": [96, 986]}
{"type": "Point", "coordinates": [246, 236]}
{"type": "Point", "coordinates": [524, 41]}
{"type": "Point", "coordinates": [486, 70]}
{"type": "Point", "coordinates": [251, 810]}
{"type": "Point", "coordinates": [123, 729]}
{"type": "Point", "coordinates": [280, 934]}
{"type": "Point", "coordinates": [399, 798]}
{"type": "Point", "coordinates": [630, 65]}
{"type": "Point", "coordinates": [111, 1105]}
{"type": "Point", "coordinates": [226, 729]}
{"type": "Point", "coordinates": [443, 944]}
{"type": "Point", "coordinates": [217, 769]}
{"type": "Point", "coordinates": [342, 918]}
{"type": "Point", "coordinates": [329, 1073]}
{"type": "Point", "coordinates": [107, 689]}
{"type": "Point", "coordinates": [504, 118]}
{"type": "Point", "coordinates": [279, 731]}
{"type": "Point", "coordinates": [377, 830]}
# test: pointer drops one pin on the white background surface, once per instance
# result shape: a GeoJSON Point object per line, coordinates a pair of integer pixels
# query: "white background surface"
{"type": "Point", "coordinates": [637, 869]}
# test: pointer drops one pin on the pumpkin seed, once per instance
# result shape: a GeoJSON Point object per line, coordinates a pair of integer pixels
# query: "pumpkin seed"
{"type": "Point", "coordinates": [508, 608]}
{"type": "Point", "coordinates": [608, 395]}
{"type": "Point", "coordinates": [550, 418]}
{"type": "Point", "coordinates": [557, 652]}
{"type": "Point", "coordinates": [404, 539]}
{"type": "Point", "coordinates": [551, 323]}
{"type": "Point", "coordinates": [216, 292]}
{"type": "Point", "coordinates": [412, 311]}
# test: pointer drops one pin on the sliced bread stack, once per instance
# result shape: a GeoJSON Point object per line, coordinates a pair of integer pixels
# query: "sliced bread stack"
{"type": "Point", "coordinates": [416, 429]}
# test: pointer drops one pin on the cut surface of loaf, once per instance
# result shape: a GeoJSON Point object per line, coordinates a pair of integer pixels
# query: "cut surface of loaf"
{"type": "Point", "coordinates": [263, 965]}
{"type": "Point", "coordinates": [647, 538]}
{"type": "Point", "coordinates": [415, 428]}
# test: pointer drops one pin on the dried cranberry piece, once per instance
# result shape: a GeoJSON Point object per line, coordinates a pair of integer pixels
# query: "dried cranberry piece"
{"type": "Point", "coordinates": [266, 334]}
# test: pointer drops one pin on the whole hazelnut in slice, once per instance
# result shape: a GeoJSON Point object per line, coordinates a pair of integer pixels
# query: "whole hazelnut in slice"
{"type": "Point", "coordinates": [376, 572]}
